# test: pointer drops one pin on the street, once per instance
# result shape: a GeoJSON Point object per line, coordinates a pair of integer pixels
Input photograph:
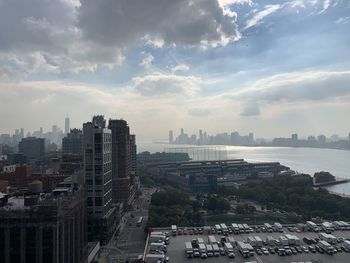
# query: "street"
{"type": "Point", "coordinates": [131, 240]}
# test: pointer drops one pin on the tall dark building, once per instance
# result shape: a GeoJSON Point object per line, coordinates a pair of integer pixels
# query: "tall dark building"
{"type": "Point", "coordinates": [121, 161]}
{"type": "Point", "coordinates": [97, 145]}
{"type": "Point", "coordinates": [73, 142]}
{"type": "Point", "coordinates": [133, 153]}
{"type": "Point", "coordinates": [45, 228]}
{"type": "Point", "coordinates": [32, 147]}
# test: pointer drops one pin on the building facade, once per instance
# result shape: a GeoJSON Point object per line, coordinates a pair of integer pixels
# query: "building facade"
{"type": "Point", "coordinates": [122, 160]}
{"type": "Point", "coordinates": [97, 147]}
{"type": "Point", "coordinates": [73, 142]}
{"type": "Point", "coordinates": [32, 147]}
{"type": "Point", "coordinates": [43, 228]}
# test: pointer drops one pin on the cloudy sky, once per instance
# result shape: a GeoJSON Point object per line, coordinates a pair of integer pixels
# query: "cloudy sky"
{"type": "Point", "coordinates": [272, 67]}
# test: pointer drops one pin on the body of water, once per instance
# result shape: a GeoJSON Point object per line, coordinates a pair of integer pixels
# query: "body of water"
{"type": "Point", "coordinates": [302, 160]}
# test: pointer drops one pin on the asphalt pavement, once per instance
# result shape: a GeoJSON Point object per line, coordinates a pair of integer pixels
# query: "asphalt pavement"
{"type": "Point", "coordinates": [131, 240]}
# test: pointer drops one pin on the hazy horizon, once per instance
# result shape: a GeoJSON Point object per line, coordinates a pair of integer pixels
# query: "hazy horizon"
{"type": "Point", "coordinates": [269, 67]}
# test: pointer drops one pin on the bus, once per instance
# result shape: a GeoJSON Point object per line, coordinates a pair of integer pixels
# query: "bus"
{"type": "Point", "coordinates": [139, 222]}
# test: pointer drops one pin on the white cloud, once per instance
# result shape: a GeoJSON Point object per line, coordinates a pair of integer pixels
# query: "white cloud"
{"type": "Point", "coordinates": [159, 84]}
{"type": "Point", "coordinates": [147, 60]}
{"type": "Point", "coordinates": [343, 20]}
{"type": "Point", "coordinates": [180, 68]}
{"type": "Point", "coordinates": [313, 86]}
{"type": "Point", "coordinates": [230, 2]}
{"type": "Point", "coordinates": [258, 17]}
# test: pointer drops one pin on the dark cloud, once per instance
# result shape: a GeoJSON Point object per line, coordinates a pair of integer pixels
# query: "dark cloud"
{"type": "Point", "coordinates": [176, 22]}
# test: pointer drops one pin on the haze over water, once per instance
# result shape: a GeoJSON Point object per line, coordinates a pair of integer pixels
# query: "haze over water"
{"type": "Point", "coordinates": [302, 160]}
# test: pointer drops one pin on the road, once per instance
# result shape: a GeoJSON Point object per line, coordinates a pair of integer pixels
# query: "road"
{"type": "Point", "coordinates": [131, 240]}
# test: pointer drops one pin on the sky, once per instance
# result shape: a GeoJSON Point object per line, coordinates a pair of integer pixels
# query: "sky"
{"type": "Point", "coordinates": [270, 67]}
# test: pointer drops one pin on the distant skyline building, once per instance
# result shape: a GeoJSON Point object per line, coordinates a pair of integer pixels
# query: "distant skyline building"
{"type": "Point", "coordinates": [66, 125]}
{"type": "Point", "coordinates": [73, 142]}
{"type": "Point", "coordinates": [171, 137]}
{"type": "Point", "coordinates": [32, 147]}
{"type": "Point", "coordinates": [97, 148]}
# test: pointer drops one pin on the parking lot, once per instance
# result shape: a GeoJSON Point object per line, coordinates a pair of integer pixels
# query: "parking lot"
{"type": "Point", "coordinates": [176, 249]}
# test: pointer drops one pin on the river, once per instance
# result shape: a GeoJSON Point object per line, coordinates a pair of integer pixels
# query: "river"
{"type": "Point", "coordinates": [302, 160]}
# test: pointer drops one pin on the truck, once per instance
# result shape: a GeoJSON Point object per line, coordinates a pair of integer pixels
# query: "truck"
{"type": "Point", "coordinates": [210, 250]}
{"type": "Point", "coordinates": [326, 247]}
{"type": "Point", "coordinates": [278, 227]}
{"type": "Point", "coordinates": [229, 250]}
{"type": "Point", "coordinates": [203, 250]}
{"type": "Point", "coordinates": [212, 240]}
{"type": "Point", "coordinates": [327, 227]}
{"type": "Point", "coordinates": [157, 246]}
{"type": "Point", "coordinates": [174, 230]}
{"type": "Point", "coordinates": [216, 249]}
{"type": "Point", "coordinates": [292, 240]}
{"type": "Point", "coordinates": [284, 241]}
{"type": "Point", "coordinates": [247, 229]}
{"type": "Point", "coordinates": [252, 241]}
{"type": "Point", "coordinates": [259, 241]}
{"type": "Point", "coordinates": [235, 228]}
{"type": "Point", "coordinates": [224, 229]}
{"type": "Point", "coordinates": [241, 228]}
{"type": "Point", "coordinates": [200, 240]}
{"type": "Point", "coordinates": [218, 229]}
{"type": "Point", "coordinates": [189, 249]}
{"type": "Point", "coordinates": [231, 240]}
{"type": "Point", "coordinates": [154, 258]}
{"type": "Point", "coordinates": [311, 226]}
{"type": "Point", "coordinates": [270, 241]}
{"type": "Point", "coordinates": [328, 238]}
{"type": "Point", "coordinates": [268, 227]}
{"type": "Point", "coordinates": [243, 249]}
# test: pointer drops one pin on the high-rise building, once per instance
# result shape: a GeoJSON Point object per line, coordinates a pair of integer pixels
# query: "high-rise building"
{"type": "Point", "coordinates": [97, 148]}
{"type": "Point", "coordinates": [32, 147]}
{"type": "Point", "coordinates": [133, 153]}
{"type": "Point", "coordinates": [200, 137]}
{"type": "Point", "coordinates": [22, 133]}
{"type": "Point", "coordinates": [171, 137]}
{"type": "Point", "coordinates": [182, 131]}
{"type": "Point", "coordinates": [121, 160]}
{"type": "Point", "coordinates": [66, 125]}
{"type": "Point", "coordinates": [73, 142]}
{"type": "Point", "coordinates": [295, 137]}
{"type": "Point", "coordinates": [46, 228]}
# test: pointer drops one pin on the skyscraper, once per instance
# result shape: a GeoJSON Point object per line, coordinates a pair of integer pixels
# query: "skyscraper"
{"type": "Point", "coordinates": [97, 147]}
{"type": "Point", "coordinates": [121, 160]}
{"type": "Point", "coordinates": [66, 125]}
{"type": "Point", "coordinates": [171, 137]}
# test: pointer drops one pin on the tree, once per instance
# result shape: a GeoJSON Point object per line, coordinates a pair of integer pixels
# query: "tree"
{"type": "Point", "coordinates": [322, 177]}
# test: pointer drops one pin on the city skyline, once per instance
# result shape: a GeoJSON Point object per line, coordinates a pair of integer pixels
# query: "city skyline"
{"type": "Point", "coordinates": [228, 64]}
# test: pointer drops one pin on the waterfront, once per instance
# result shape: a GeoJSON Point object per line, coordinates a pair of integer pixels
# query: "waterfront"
{"type": "Point", "coordinates": [302, 160]}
